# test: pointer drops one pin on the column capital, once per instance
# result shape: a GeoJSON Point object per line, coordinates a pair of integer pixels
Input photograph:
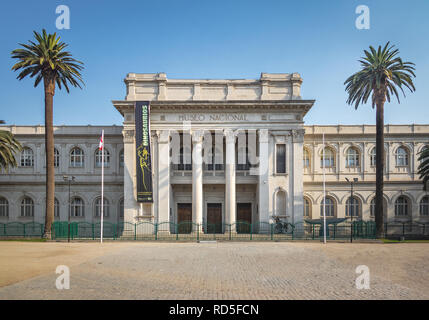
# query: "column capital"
{"type": "Point", "coordinates": [163, 136]}
{"type": "Point", "coordinates": [230, 135]}
{"type": "Point", "coordinates": [128, 135]}
{"type": "Point", "coordinates": [197, 136]}
{"type": "Point", "coordinates": [263, 135]}
{"type": "Point", "coordinates": [298, 135]}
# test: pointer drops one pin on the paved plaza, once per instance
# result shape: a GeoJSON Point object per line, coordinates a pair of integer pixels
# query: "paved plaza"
{"type": "Point", "coordinates": [279, 270]}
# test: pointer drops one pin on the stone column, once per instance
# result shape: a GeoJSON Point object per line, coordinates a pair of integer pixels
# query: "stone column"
{"type": "Point", "coordinates": [197, 178]}
{"type": "Point", "coordinates": [130, 204]}
{"type": "Point", "coordinates": [163, 176]}
{"type": "Point", "coordinates": [263, 183]}
{"type": "Point", "coordinates": [39, 159]}
{"type": "Point", "coordinates": [297, 172]}
{"type": "Point", "coordinates": [64, 159]}
{"type": "Point", "coordinates": [230, 203]}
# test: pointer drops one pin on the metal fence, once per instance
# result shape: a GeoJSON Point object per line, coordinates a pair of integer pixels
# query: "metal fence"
{"type": "Point", "coordinates": [188, 231]}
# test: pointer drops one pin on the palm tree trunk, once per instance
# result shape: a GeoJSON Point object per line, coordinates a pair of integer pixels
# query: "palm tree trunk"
{"type": "Point", "coordinates": [379, 160]}
{"type": "Point", "coordinates": [49, 151]}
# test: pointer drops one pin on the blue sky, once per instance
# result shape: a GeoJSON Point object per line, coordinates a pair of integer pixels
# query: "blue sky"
{"type": "Point", "coordinates": [215, 39]}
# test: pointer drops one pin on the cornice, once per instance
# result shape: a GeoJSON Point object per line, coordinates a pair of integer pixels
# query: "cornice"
{"type": "Point", "coordinates": [301, 106]}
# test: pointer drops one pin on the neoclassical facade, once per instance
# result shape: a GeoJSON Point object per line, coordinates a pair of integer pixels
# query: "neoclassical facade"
{"type": "Point", "coordinates": [22, 189]}
{"type": "Point", "coordinates": [222, 151]}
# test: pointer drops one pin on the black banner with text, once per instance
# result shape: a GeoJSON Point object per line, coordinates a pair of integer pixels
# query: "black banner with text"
{"type": "Point", "coordinates": [143, 154]}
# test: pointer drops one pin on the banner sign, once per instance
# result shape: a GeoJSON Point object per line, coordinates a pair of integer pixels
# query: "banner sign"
{"type": "Point", "coordinates": [144, 163]}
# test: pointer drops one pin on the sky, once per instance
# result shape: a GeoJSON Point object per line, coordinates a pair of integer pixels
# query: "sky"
{"type": "Point", "coordinates": [202, 39]}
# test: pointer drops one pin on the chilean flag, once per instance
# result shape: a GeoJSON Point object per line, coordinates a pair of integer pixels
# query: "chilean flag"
{"type": "Point", "coordinates": [101, 145]}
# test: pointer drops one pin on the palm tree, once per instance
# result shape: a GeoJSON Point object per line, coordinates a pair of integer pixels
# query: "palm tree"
{"type": "Point", "coordinates": [382, 73]}
{"type": "Point", "coordinates": [47, 60]}
{"type": "Point", "coordinates": [424, 166]}
{"type": "Point", "coordinates": [8, 147]}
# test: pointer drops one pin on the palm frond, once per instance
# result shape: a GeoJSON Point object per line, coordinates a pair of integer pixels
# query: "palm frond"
{"type": "Point", "coordinates": [9, 146]}
{"type": "Point", "coordinates": [382, 73]}
{"type": "Point", "coordinates": [46, 58]}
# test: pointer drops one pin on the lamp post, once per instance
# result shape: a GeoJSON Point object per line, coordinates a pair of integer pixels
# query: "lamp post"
{"type": "Point", "coordinates": [355, 180]}
{"type": "Point", "coordinates": [69, 180]}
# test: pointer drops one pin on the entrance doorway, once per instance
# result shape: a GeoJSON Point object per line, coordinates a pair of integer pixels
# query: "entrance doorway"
{"type": "Point", "coordinates": [214, 218]}
{"type": "Point", "coordinates": [184, 217]}
{"type": "Point", "coordinates": [244, 217]}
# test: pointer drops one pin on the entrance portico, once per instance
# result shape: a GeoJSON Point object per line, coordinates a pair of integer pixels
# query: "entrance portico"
{"type": "Point", "coordinates": [220, 148]}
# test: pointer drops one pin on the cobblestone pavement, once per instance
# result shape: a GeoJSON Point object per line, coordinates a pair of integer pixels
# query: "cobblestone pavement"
{"type": "Point", "coordinates": [227, 271]}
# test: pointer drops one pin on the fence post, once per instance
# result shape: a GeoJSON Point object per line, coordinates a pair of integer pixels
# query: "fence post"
{"type": "Point", "coordinates": [403, 229]}
{"type": "Point", "coordinates": [177, 232]}
{"type": "Point", "coordinates": [93, 233]}
{"type": "Point", "coordinates": [271, 231]}
{"type": "Point", "coordinates": [156, 231]}
{"type": "Point", "coordinates": [135, 231]}
{"type": "Point", "coordinates": [198, 232]}
{"type": "Point", "coordinates": [312, 227]}
{"type": "Point", "coordinates": [293, 229]}
{"type": "Point", "coordinates": [385, 230]}
{"type": "Point", "coordinates": [41, 231]}
{"type": "Point", "coordinates": [229, 232]}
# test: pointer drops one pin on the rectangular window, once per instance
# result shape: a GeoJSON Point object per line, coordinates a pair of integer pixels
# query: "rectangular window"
{"type": "Point", "coordinates": [280, 158]}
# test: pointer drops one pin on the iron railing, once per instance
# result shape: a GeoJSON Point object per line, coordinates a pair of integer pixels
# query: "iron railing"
{"type": "Point", "coordinates": [189, 231]}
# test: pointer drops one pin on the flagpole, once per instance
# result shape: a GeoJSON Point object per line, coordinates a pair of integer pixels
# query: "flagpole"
{"type": "Point", "coordinates": [102, 185]}
{"type": "Point", "coordinates": [324, 191]}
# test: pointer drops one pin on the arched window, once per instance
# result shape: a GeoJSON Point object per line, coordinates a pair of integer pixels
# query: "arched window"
{"type": "Point", "coordinates": [77, 207]}
{"type": "Point", "coordinates": [77, 157]}
{"type": "Point", "coordinates": [372, 157]}
{"type": "Point", "coordinates": [98, 157]}
{"type": "Point", "coordinates": [56, 208]}
{"type": "Point", "coordinates": [56, 158]}
{"type": "Point", "coordinates": [401, 206]}
{"type": "Point", "coordinates": [327, 159]}
{"type": "Point", "coordinates": [352, 207]}
{"type": "Point", "coordinates": [372, 207]}
{"type": "Point", "coordinates": [329, 207]}
{"type": "Point", "coordinates": [281, 203]}
{"type": "Point", "coordinates": [352, 158]}
{"type": "Point", "coordinates": [121, 208]}
{"type": "Point", "coordinates": [424, 206]}
{"type": "Point", "coordinates": [27, 207]}
{"type": "Point", "coordinates": [98, 207]}
{"type": "Point", "coordinates": [121, 158]}
{"type": "Point", "coordinates": [27, 157]}
{"type": "Point", "coordinates": [401, 157]}
{"type": "Point", "coordinates": [4, 207]}
{"type": "Point", "coordinates": [307, 207]}
{"type": "Point", "coordinates": [306, 158]}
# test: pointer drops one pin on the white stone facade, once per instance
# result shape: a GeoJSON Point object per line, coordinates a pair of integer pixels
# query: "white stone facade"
{"type": "Point", "coordinates": [29, 181]}
{"type": "Point", "coordinates": [238, 115]}
{"type": "Point", "coordinates": [258, 121]}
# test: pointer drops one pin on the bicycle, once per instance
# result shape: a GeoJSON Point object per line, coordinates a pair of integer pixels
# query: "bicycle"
{"type": "Point", "coordinates": [280, 226]}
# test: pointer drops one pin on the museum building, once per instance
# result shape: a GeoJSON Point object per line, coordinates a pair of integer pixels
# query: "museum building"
{"type": "Point", "coordinates": [221, 151]}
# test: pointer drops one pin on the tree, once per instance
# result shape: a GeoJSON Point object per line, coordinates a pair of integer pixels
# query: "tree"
{"type": "Point", "coordinates": [8, 147]}
{"type": "Point", "coordinates": [47, 60]}
{"type": "Point", "coordinates": [424, 166]}
{"type": "Point", "coordinates": [382, 73]}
